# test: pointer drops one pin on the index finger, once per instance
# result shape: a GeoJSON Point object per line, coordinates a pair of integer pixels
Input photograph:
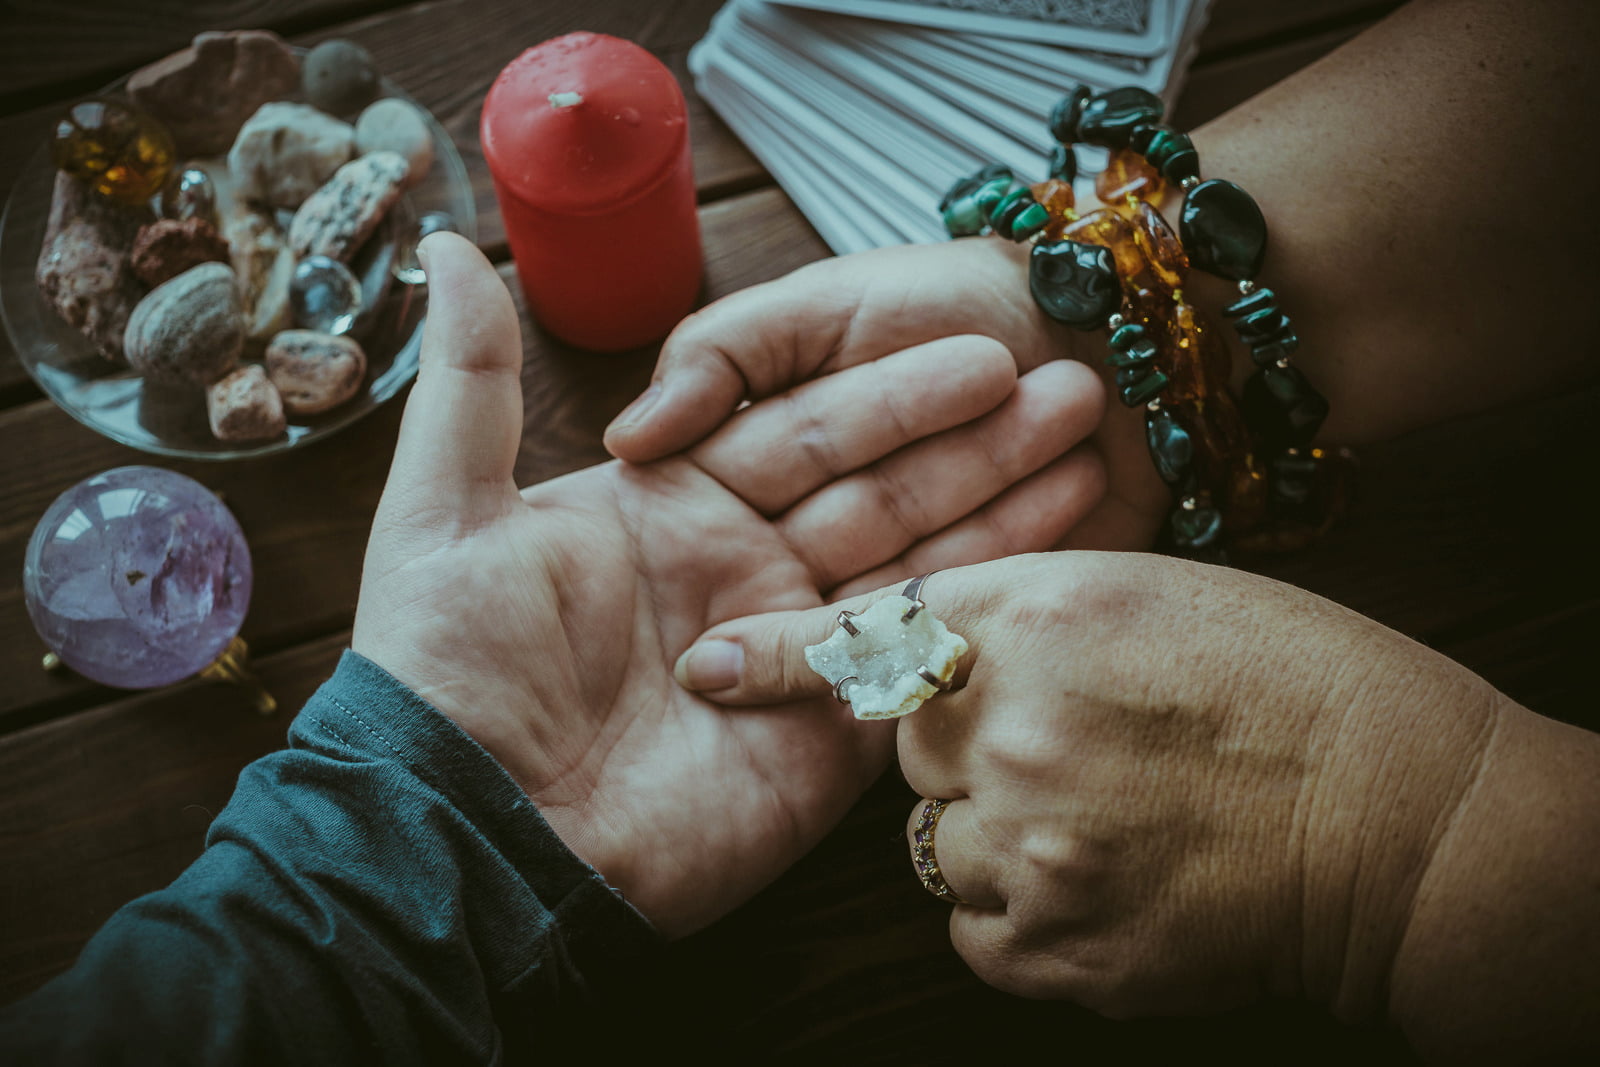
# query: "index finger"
{"type": "Point", "coordinates": [822, 318]}
{"type": "Point", "coordinates": [760, 659]}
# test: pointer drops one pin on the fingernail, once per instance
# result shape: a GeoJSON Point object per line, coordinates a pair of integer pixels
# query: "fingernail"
{"type": "Point", "coordinates": [710, 664]}
{"type": "Point", "coordinates": [635, 413]}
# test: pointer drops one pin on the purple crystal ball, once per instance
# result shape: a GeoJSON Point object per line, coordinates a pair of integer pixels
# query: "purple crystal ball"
{"type": "Point", "coordinates": [137, 577]}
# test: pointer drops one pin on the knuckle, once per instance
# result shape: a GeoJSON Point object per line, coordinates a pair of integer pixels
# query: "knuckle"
{"type": "Point", "coordinates": [1024, 749]}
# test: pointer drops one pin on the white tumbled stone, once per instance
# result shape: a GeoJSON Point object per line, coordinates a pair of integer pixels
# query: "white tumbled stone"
{"type": "Point", "coordinates": [286, 152]}
{"type": "Point", "coordinates": [883, 657]}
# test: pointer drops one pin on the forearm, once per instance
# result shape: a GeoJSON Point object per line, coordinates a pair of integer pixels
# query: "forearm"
{"type": "Point", "coordinates": [1501, 959]}
{"type": "Point", "coordinates": [381, 889]}
{"type": "Point", "coordinates": [1430, 206]}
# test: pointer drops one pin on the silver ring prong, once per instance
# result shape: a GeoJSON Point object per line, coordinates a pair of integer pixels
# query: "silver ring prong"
{"type": "Point", "coordinates": [844, 622]}
{"type": "Point", "coordinates": [839, 691]}
{"type": "Point", "coordinates": [932, 679]}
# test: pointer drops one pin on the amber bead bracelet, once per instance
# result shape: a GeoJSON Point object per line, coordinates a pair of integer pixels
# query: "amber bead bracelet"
{"type": "Point", "coordinates": [1242, 475]}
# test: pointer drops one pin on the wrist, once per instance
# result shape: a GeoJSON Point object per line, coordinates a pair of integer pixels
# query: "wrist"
{"type": "Point", "coordinates": [1500, 961]}
{"type": "Point", "coordinates": [999, 270]}
{"type": "Point", "coordinates": [1394, 764]}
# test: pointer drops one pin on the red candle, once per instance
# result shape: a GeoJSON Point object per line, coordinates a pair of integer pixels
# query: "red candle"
{"type": "Point", "coordinates": [588, 142]}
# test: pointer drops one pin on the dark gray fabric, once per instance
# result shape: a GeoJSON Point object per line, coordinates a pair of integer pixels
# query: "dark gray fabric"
{"type": "Point", "coordinates": [380, 891]}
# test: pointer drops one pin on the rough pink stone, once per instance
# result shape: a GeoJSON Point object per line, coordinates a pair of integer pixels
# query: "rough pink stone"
{"type": "Point", "coordinates": [205, 92]}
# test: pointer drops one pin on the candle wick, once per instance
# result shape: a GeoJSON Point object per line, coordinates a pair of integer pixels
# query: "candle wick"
{"type": "Point", "coordinates": [565, 99]}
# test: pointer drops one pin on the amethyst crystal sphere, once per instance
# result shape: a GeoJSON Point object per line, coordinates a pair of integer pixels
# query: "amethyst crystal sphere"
{"type": "Point", "coordinates": [137, 577]}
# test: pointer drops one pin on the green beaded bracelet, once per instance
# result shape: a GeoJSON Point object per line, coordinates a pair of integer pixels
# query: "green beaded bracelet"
{"type": "Point", "coordinates": [1222, 231]}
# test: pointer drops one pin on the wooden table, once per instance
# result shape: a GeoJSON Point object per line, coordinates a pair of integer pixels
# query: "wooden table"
{"type": "Point", "coordinates": [1465, 537]}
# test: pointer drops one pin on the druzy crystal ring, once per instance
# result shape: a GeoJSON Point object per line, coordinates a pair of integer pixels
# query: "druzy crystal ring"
{"type": "Point", "coordinates": [923, 860]}
{"type": "Point", "coordinates": [887, 660]}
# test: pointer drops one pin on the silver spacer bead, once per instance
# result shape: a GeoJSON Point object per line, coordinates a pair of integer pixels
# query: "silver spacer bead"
{"type": "Point", "coordinates": [1246, 286]}
{"type": "Point", "coordinates": [1188, 503]}
{"type": "Point", "coordinates": [1154, 405]}
{"type": "Point", "coordinates": [1114, 322]}
{"type": "Point", "coordinates": [1190, 182]}
{"type": "Point", "coordinates": [1282, 364]}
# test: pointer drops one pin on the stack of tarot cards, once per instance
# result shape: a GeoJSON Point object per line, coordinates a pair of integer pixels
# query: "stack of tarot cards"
{"type": "Point", "coordinates": [865, 111]}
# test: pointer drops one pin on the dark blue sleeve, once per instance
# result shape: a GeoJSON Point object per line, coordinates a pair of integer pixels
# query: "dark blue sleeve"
{"type": "Point", "coordinates": [380, 891]}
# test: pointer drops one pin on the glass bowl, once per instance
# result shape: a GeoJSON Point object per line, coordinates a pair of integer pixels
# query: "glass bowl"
{"type": "Point", "coordinates": [154, 417]}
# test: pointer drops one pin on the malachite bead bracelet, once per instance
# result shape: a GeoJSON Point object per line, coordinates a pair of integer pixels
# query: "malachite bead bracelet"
{"type": "Point", "coordinates": [1242, 474]}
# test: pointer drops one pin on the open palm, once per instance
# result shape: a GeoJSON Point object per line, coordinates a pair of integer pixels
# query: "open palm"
{"type": "Point", "coordinates": [546, 621]}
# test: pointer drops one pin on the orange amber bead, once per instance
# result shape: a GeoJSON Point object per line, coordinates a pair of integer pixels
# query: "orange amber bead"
{"type": "Point", "coordinates": [1128, 174]}
{"type": "Point", "coordinates": [1159, 244]}
{"type": "Point", "coordinates": [1057, 198]}
{"type": "Point", "coordinates": [1330, 495]}
{"type": "Point", "coordinates": [1110, 230]}
{"type": "Point", "coordinates": [1204, 366]}
{"type": "Point", "coordinates": [1200, 364]}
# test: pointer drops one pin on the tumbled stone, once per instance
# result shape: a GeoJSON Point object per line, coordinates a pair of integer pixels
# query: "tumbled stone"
{"type": "Point", "coordinates": [1063, 165]}
{"type": "Point", "coordinates": [83, 270]}
{"type": "Point", "coordinates": [166, 248]}
{"type": "Point", "coordinates": [339, 77]}
{"type": "Point", "coordinates": [965, 187]}
{"type": "Point", "coordinates": [1074, 283]}
{"type": "Point", "coordinates": [394, 125]}
{"type": "Point", "coordinates": [189, 194]}
{"type": "Point", "coordinates": [245, 406]}
{"type": "Point", "coordinates": [1110, 117]}
{"type": "Point", "coordinates": [285, 152]}
{"type": "Point", "coordinates": [1170, 445]}
{"type": "Point", "coordinates": [1065, 115]}
{"type": "Point", "coordinates": [883, 656]}
{"type": "Point", "coordinates": [324, 295]}
{"type": "Point", "coordinates": [1223, 229]}
{"type": "Point", "coordinates": [120, 151]}
{"type": "Point", "coordinates": [1283, 407]}
{"type": "Point", "coordinates": [188, 329]}
{"type": "Point", "coordinates": [205, 92]}
{"type": "Point", "coordinates": [338, 217]}
{"type": "Point", "coordinates": [314, 371]}
{"type": "Point", "coordinates": [264, 266]}
{"type": "Point", "coordinates": [407, 267]}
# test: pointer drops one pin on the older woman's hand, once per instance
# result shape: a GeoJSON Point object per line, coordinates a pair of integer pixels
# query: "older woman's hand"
{"type": "Point", "coordinates": [1176, 788]}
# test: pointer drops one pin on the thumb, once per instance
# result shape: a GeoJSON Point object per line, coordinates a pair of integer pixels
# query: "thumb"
{"type": "Point", "coordinates": [463, 422]}
{"type": "Point", "coordinates": [760, 659]}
